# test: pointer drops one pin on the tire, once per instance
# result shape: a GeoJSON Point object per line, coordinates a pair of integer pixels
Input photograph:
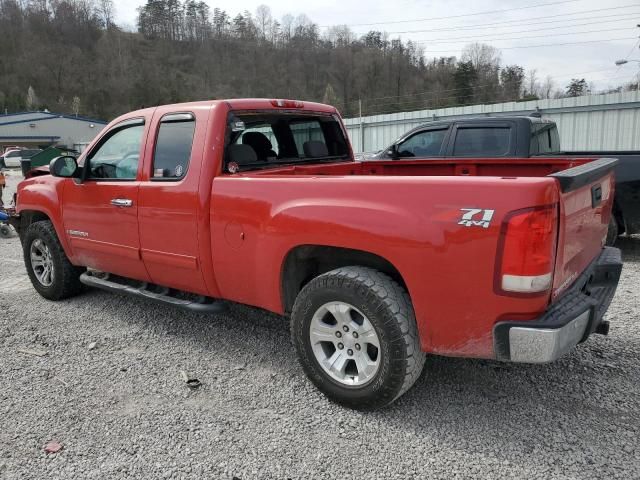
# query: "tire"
{"type": "Point", "coordinates": [612, 232]}
{"type": "Point", "coordinates": [64, 278]}
{"type": "Point", "coordinates": [5, 231]}
{"type": "Point", "coordinates": [358, 291]}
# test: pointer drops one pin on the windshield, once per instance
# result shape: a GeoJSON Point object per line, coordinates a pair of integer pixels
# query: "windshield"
{"type": "Point", "coordinates": [257, 140]}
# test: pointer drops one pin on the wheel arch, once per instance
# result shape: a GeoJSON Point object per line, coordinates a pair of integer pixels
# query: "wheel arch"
{"type": "Point", "coordinates": [27, 217]}
{"type": "Point", "coordinates": [304, 262]}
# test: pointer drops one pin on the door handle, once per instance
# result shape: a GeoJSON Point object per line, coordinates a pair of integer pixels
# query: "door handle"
{"type": "Point", "coordinates": [121, 202]}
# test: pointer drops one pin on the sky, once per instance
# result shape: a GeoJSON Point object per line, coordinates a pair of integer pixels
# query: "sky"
{"type": "Point", "coordinates": [536, 34]}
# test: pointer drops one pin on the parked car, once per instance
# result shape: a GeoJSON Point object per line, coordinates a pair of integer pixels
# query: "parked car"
{"type": "Point", "coordinates": [4, 154]}
{"type": "Point", "coordinates": [376, 263]}
{"type": "Point", "coordinates": [519, 137]}
{"type": "Point", "coordinates": [13, 158]}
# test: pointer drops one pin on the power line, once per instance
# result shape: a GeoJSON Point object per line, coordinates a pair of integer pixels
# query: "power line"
{"type": "Point", "coordinates": [527, 21]}
{"type": "Point", "coordinates": [625, 18]}
{"type": "Point", "coordinates": [383, 107]}
{"type": "Point", "coordinates": [608, 40]}
{"type": "Point", "coordinates": [458, 16]}
{"type": "Point", "coordinates": [392, 98]}
{"type": "Point", "coordinates": [483, 37]}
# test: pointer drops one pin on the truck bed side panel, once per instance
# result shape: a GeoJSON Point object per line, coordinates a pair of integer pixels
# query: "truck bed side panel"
{"type": "Point", "coordinates": [413, 222]}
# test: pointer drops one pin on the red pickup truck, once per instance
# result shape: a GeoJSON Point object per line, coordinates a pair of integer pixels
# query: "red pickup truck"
{"type": "Point", "coordinates": [377, 263]}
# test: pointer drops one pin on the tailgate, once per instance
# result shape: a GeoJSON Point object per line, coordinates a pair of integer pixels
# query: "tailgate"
{"type": "Point", "coordinates": [586, 200]}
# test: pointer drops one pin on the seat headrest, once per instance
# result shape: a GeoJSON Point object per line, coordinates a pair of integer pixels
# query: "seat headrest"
{"type": "Point", "coordinates": [315, 149]}
{"type": "Point", "coordinates": [258, 140]}
{"type": "Point", "coordinates": [241, 154]}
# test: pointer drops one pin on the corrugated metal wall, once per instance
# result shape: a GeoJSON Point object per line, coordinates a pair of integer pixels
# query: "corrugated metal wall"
{"type": "Point", "coordinates": [592, 122]}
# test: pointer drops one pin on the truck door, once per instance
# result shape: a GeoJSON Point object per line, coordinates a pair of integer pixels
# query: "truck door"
{"type": "Point", "coordinates": [170, 197]}
{"type": "Point", "coordinates": [100, 213]}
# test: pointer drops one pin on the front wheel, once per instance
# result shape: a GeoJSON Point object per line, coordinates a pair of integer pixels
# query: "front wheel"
{"type": "Point", "coordinates": [50, 271]}
{"type": "Point", "coordinates": [355, 333]}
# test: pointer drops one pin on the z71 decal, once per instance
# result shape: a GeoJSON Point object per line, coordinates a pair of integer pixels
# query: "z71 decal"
{"type": "Point", "coordinates": [476, 217]}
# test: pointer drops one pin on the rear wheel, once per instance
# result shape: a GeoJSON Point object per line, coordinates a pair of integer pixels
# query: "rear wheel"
{"type": "Point", "coordinates": [355, 333]}
{"type": "Point", "coordinates": [50, 271]}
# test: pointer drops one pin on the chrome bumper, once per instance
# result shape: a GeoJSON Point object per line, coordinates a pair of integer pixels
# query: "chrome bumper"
{"type": "Point", "coordinates": [543, 345]}
{"type": "Point", "coordinates": [567, 322]}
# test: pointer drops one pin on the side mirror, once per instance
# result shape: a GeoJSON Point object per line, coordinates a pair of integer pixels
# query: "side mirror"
{"type": "Point", "coordinates": [393, 152]}
{"type": "Point", "coordinates": [65, 167]}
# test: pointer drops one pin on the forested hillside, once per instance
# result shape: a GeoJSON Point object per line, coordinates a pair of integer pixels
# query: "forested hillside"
{"type": "Point", "coordinates": [69, 56]}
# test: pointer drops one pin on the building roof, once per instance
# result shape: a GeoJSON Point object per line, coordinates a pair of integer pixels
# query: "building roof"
{"type": "Point", "coordinates": [30, 137]}
{"type": "Point", "coordinates": [7, 119]}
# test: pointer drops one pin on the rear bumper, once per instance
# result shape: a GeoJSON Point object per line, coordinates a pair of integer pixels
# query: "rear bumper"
{"type": "Point", "coordinates": [567, 322]}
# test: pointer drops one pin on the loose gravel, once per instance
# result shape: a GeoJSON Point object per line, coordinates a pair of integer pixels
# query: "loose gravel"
{"type": "Point", "coordinates": [110, 391]}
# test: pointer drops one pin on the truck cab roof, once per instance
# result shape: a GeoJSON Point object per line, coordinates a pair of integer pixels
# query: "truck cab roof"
{"type": "Point", "coordinates": [499, 136]}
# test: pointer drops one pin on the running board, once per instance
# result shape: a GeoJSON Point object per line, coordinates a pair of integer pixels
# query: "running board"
{"type": "Point", "coordinates": [202, 305]}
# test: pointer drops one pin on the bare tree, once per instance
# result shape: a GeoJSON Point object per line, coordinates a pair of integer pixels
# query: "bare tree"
{"type": "Point", "coordinates": [32, 99]}
{"type": "Point", "coordinates": [106, 11]}
{"type": "Point", "coordinates": [340, 35]}
{"type": "Point", "coordinates": [481, 56]}
{"type": "Point", "coordinates": [263, 20]}
{"type": "Point", "coordinates": [548, 87]}
{"type": "Point", "coordinates": [485, 60]}
{"type": "Point", "coordinates": [532, 86]}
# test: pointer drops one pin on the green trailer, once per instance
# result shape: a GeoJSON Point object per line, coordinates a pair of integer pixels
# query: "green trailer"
{"type": "Point", "coordinates": [43, 158]}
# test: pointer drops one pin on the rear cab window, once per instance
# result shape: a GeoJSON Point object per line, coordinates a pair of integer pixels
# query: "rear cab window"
{"type": "Point", "coordinates": [482, 141]}
{"type": "Point", "coordinates": [264, 139]}
{"type": "Point", "coordinates": [544, 139]}
{"type": "Point", "coordinates": [173, 146]}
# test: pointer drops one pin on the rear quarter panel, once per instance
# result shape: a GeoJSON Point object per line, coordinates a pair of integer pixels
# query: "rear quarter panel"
{"type": "Point", "coordinates": [410, 221]}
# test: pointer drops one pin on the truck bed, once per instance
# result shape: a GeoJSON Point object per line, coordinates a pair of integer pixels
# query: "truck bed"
{"type": "Point", "coordinates": [480, 167]}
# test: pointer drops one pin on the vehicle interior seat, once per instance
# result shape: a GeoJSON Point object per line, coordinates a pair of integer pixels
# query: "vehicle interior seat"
{"type": "Point", "coordinates": [315, 149]}
{"type": "Point", "coordinates": [128, 166]}
{"type": "Point", "coordinates": [241, 154]}
{"type": "Point", "coordinates": [260, 144]}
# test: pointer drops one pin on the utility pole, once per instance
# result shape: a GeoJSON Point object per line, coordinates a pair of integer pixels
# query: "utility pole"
{"type": "Point", "coordinates": [361, 126]}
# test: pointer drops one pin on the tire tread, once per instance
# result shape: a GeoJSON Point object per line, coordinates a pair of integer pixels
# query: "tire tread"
{"type": "Point", "coordinates": [70, 274]}
{"type": "Point", "coordinates": [371, 282]}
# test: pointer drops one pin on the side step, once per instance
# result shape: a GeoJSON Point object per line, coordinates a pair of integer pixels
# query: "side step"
{"type": "Point", "coordinates": [104, 281]}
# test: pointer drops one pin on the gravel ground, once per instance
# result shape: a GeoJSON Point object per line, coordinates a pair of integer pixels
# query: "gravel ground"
{"type": "Point", "coordinates": [121, 409]}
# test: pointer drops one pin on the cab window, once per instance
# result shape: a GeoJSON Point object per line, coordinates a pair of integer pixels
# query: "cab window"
{"type": "Point", "coordinates": [257, 140]}
{"type": "Point", "coordinates": [173, 147]}
{"type": "Point", "coordinates": [482, 141]}
{"type": "Point", "coordinates": [118, 154]}
{"type": "Point", "coordinates": [544, 139]}
{"type": "Point", "coordinates": [423, 144]}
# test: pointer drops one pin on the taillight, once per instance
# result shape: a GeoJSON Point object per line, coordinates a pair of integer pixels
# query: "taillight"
{"type": "Point", "coordinates": [287, 103]}
{"type": "Point", "coordinates": [527, 251]}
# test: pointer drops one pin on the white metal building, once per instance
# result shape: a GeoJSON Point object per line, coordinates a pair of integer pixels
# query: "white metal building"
{"type": "Point", "coordinates": [593, 122]}
{"type": "Point", "coordinates": [44, 129]}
